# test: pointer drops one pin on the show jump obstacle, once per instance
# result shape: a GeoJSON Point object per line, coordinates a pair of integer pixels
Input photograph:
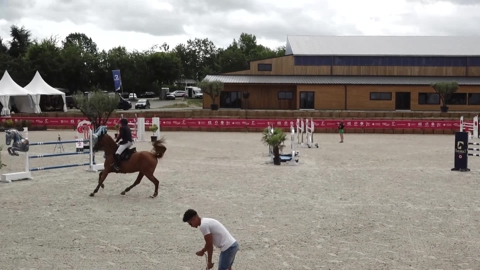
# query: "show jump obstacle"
{"type": "Point", "coordinates": [291, 159]}
{"type": "Point", "coordinates": [462, 151]}
{"type": "Point", "coordinates": [137, 126]}
{"type": "Point", "coordinates": [27, 174]}
{"type": "Point", "coordinates": [470, 127]}
{"type": "Point", "coordinates": [307, 127]}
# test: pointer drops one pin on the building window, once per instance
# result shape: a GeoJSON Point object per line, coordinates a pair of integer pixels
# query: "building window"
{"type": "Point", "coordinates": [264, 67]}
{"type": "Point", "coordinates": [307, 100]}
{"type": "Point", "coordinates": [400, 61]}
{"type": "Point", "coordinates": [473, 99]}
{"type": "Point", "coordinates": [428, 98]}
{"type": "Point", "coordinates": [457, 99]}
{"type": "Point", "coordinates": [285, 95]}
{"type": "Point", "coordinates": [380, 96]}
{"type": "Point", "coordinates": [313, 60]}
{"type": "Point", "coordinates": [231, 100]}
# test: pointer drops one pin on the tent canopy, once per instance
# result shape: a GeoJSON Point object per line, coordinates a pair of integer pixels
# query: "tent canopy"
{"type": "Point", "coordinates": [39, 87]}
{"type": "Point", "coordinates": [22, 99]}
{"type": "Point", "coordinates": [8, 87]}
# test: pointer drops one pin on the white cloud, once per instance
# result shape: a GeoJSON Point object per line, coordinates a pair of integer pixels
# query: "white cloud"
{"type": "Point", "coordinates": [141, 24]}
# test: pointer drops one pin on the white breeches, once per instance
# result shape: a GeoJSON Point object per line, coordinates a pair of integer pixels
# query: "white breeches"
{"type": "Point", "coordinates": [122, 147]}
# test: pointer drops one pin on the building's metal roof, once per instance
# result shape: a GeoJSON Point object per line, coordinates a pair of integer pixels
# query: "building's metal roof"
{"type": "Point", "coordinates": [384, 45]}
{"type": "Point", "coordinates": [365, 80]}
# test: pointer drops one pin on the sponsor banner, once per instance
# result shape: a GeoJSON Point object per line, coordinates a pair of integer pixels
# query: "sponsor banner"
{"type": "Point", "coordinates": [253, 123]}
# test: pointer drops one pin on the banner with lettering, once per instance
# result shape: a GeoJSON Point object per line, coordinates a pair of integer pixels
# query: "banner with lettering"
{"type": "Point", "coordinates": [255, 123]}
{"type": "Point", "coordinates": [117, 79]}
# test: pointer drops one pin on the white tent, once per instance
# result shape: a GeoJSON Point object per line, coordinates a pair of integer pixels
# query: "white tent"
{"type": "Point", "coordinates": [21, 97]}
{"type": "Point", "coordinates": [39, 87]}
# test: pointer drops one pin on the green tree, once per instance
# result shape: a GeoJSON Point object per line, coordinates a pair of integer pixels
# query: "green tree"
{"type": "Point", "coordinates": [276, 141]}
{"type": "Point", "coordinates": [98, 107]}
{"type": "Point", "coordinates": [445, 91]}
{"type": "Point", "coordinates": [45, 57]}
{"type": "Point", "coordinates": [213, 89]}
{"type": "Point", "coordinates": [21, 39]}
{"type": "Point", "coordinates": [81, 60]}
{"type": "Point", "coordinates": [164, 68]}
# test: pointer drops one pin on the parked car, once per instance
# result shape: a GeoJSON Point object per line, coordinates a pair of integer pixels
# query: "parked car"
{"type": "Point", "coordinates": [125, 94]}
{"type": "Point", "coordinates": [143, 104]}
{"type": "Point", "coordinates": [149, 95]}
{"type": "Point", "coordinates": [170, 96]}
{"type": "Point", "coordinates": [124, 104]}
{"type": "Point", "coordinates": [179, 93]}
{"type": "Point", "coordinates": [132, 96]}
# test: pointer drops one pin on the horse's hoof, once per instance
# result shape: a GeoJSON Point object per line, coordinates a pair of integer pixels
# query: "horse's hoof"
{"type": "Point", "coordinates": [92, 194]}
{"type": "Point", "coordinates": [123, 193]}
{"type": "Point", "coordinates": [153, 196]}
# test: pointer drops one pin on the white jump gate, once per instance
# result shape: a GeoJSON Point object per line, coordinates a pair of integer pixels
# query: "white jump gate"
{"type": "Point", "coordinates": [27, 174]}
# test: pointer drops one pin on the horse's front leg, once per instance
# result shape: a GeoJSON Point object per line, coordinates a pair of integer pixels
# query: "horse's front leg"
{"type": "Point", "coordinates": [103, 175]}
{"type": "Point", "coordinates": [100, 177]}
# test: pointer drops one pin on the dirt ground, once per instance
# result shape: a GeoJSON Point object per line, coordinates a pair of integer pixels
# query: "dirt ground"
{"type": "Point", "coordinates": [373, 202]}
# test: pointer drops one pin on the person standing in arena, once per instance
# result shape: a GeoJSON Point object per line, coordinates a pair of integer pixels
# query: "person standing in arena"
{"type": "Point", "coordinates": [341, 128]}
{"type": "Point", "coordinates": [215, 234]}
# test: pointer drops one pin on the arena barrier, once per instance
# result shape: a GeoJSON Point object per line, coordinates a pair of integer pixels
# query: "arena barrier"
{"type": "Point", "coordinates": [470, 127]}
{"type": "Point", "coordinates": [462, 151]}
{"type": "Point", "coordinates": [27, 174]}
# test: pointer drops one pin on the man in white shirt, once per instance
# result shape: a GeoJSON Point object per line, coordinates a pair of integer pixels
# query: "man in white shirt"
{"type": "Point", "coordinates": [215, 234]}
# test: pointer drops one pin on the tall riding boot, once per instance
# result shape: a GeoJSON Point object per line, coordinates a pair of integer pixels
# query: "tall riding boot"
{"type": "Point", "coordinates": [116, 164]}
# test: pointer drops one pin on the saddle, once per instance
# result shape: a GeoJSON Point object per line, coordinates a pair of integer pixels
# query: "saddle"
{"type": "Point", "coordinates": [125, 156]}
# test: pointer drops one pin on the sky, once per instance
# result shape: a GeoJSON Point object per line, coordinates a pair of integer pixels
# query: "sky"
{"type": "Point", "coordinates": [141, 24]}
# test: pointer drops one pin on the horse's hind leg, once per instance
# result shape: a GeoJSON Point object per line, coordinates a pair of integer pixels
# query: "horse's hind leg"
{"type": "Point", "coordinates": [139, 179]}
{"type": "Point", "coordinates": [155, 181]}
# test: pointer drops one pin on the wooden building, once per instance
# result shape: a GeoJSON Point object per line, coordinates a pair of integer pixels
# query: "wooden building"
{"type": "Point", "coordinates": [358, 73]}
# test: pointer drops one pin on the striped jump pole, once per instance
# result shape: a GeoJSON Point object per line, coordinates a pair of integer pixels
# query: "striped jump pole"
{"type": "Point", "coordinates": [27, 174]}
{"type": "Point", "coordinates": [470, 127]}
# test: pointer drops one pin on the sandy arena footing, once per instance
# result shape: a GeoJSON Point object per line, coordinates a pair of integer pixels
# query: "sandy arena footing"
{"type": "Point", "coordinates": [373, 202]}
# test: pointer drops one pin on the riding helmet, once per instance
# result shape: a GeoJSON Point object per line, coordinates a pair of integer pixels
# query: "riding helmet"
{"type": "Point", "coordinates": [124, 121]}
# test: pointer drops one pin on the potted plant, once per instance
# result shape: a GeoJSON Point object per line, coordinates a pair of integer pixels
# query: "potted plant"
{"type": "Point", "coordinates": [9, 124]}
{"type": "Point", "coordinates": [276, 141]}
{"type": "Point", "coordinates": [213, 89]}
{"type": "Point", "coordinates": [445, 91]}
{"type": "Point", "coordinates": [153, 128]}
{"type": "Point", "coordinates": [116, 130]}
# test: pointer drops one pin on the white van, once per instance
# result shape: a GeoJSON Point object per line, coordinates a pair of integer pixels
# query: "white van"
{"type": "Point", "coordinates": [194, 92]}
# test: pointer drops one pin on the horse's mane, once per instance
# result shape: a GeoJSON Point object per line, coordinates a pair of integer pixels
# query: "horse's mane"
{"type": "Point", "coordinates": [15, 134]}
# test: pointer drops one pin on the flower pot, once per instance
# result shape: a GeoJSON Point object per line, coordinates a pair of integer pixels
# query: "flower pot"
{"type": "Point", "coordinates": [214, 107]}
{"type": "Point", "coordinates": [444, 109]}
{"type": "Point", "coordinates": [277, 161]}
{"type": "Point", "coordinates": [153, 138]}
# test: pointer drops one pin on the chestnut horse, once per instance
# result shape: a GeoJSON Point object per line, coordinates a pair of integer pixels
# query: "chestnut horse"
{"type": "Point", "coordinates": [143, 162]}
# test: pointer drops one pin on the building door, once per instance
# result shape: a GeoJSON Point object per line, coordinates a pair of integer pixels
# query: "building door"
{"type": "Point", "coordinates": [307, 100]}
{"type": "Point", "coordinates": [402, 101]}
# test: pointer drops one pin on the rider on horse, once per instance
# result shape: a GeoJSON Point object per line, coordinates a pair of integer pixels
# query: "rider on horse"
{"type": "Point", "coordinates": [125, 134]}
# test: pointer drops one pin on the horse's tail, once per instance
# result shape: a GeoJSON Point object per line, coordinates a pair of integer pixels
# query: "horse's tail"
{"type": "Point", "coordinates": [158, 148]}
